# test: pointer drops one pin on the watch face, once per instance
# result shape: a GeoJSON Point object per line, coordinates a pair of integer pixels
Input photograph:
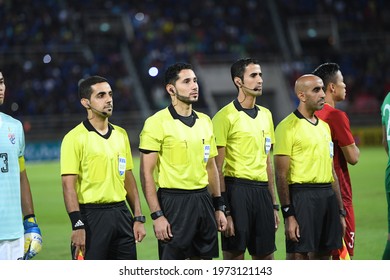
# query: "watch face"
{"type": "Point", "coordinates": [222, 208]}
{"type": "Point", "coordinates": [140, 219]}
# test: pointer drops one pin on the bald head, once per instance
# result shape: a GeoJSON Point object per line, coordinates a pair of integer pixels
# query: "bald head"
{"type": "Point", "coordinates": [305, 82]}
{"type": "Point", "coordinates": [309, 90]}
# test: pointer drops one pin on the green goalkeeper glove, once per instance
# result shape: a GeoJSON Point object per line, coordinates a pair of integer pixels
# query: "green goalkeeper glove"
{"type": "Point", "coordinates": [32, 237]}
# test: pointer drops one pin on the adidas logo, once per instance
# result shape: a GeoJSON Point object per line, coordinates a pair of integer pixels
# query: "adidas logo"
{"type": "Point", "coordinates": [79, 224]}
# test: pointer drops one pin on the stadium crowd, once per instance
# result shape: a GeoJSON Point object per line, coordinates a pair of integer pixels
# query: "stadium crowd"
{"type": "Point", "coordinates": [363, 55]}
{"type": "Point", "coordinates": [46, 48]}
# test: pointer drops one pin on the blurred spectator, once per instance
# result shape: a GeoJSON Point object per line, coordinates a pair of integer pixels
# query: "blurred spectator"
{"type": "Point", "coordinates": [363, 27]}
{"type": "Point", "coordinates": [44, 44]}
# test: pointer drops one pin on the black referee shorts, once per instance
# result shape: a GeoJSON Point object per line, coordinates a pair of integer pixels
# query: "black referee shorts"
{"type": "Point", "coordinates": [109, 231]}
{"type": "Point", "coordinates": [251, 208]}
{"type": "Point", "coordinates": [317, 213]}
{"type": "Point", "coordinates": [192, 219]}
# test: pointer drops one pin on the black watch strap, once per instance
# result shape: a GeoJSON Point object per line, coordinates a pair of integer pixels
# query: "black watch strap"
{"type": "Point", "coordinates": [221, 208]}
{"type": "Point", "coordinates": [140, 219]}
{"type": "Point", "coordinates": [157, 214]}
{"type": "Point", "coordinates": [343, 213]}
{"type": "Point", "coordinates": [276, 207]}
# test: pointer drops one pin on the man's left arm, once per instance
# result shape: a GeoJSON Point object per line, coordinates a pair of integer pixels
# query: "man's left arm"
{"type": "Point", "coordinates": [134, 202]}
{"type": "Point", "coordinates": [351, 153]}
{"type": "Point", "coordinates": [26, 196]}
{"type": "Point", "coordinates": [271, 189]}
{"type": "Point", "coordinates": [214, 187]}
{"type": "Point", "coordinates": [336, 188]}
{"type": "Point", "coordinates": [343, 134]}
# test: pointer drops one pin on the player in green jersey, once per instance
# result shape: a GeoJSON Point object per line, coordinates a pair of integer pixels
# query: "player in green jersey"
{"type": "Point", "coordinates": [385, 111]}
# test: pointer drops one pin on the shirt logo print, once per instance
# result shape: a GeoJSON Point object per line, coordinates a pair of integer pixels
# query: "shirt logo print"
{"type": "Point", "coordinates": [122, 166]}
{"type": "Point", "coordinates": [12, 138]}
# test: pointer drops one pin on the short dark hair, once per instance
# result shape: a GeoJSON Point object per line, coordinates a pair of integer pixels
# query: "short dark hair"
{"type": "Point", "coordinates": [238, 68]}
{"type": "Point", "coordinates": [85, 85]}
{"type": "Point", "coordinates": [172, 72]}
{"type": "Point", "coordinates": [327, 72]}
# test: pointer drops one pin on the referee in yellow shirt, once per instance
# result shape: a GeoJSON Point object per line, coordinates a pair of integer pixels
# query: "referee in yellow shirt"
{"type": "Point", "coordinates": [244, 134]}
{"type": "Point", "coordinates": [97, 179]}
{"type": "Point", "coordinates": [178, 152]}
{"type": "Point", "coordinates": [305, 178]}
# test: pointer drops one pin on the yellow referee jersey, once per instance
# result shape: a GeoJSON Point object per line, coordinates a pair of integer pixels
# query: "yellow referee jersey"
{"type": "Point", "coordinates": [309, 147]}
{"type": "Point", "coordinates": [247, 140]}
{"type": "Point", "coordinates": [183, 150]}
{"type": "Point", "coordinates": [99, 161]}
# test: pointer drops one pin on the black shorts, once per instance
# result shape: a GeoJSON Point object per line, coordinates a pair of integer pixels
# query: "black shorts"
{"type": "Point", "coordinates": [192, 219]}
{"type": "Point", "coordinates": [251, 208]}
{"type": "Point", "coordinates": [318, 217]}
{"type": "Point", "coordinates": [109, 232]}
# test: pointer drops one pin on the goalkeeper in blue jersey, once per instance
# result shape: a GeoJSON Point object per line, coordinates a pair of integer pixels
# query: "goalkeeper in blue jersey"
{"type": "Point", "coordinates": [19, 239]}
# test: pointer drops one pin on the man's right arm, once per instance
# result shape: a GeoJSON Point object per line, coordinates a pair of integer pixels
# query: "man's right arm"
{"type": "Point", "coordinates": [73, 209]}
{"type": "Point", "coordinates": [219, 160]}
{"type": "Point", "coordinates": [282, 166]}
{"type": "Point", "coordinates": [69, 191]}
{"type": "Point", "coordinates": [148, 162]}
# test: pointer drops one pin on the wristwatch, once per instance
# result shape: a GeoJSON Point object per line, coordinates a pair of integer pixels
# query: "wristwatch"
{"type": "Point", "coordinates": [157, 214]}
{"type": "Point", "coordinates": [343, 213]}
{"type": "Point", "coordinates": [276, 207]}
{"type": "Point", "coordinates": [221, 208]}
{"type": "Point", "coordinates": [140, 219]}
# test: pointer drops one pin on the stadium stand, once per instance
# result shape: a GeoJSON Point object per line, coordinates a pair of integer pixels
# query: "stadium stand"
{"type": "Point", "coordinates": [46, 46]}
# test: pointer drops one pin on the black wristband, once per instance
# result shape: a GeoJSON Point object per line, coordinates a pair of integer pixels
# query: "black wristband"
{"type": "Point", "coordinates": [288, 210]}
{"type": "Point", "coordinates": [276, 207]}
{"type": "Point", "coordinates": [226, 200]}
{"type": "Point", "coordinates": [343, 213]}
{"type": "Point", "coordinates": [218, 201]}
{"type": "Point", "coordinates": [219, 204]}
{"type": "Point", "coordinates": [76, 220]}
{"type": "Point", "coordinates": [141, 219]}
{"type": "Point", "coordinates": [157, 214]}
{"type": "Point", "coordinates": [28, 216]}
{"type": "Point", "coordinates": [221, 208]}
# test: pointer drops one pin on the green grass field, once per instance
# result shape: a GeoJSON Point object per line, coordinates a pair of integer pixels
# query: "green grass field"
{"type": "Point", "coordinates": [369, 201]}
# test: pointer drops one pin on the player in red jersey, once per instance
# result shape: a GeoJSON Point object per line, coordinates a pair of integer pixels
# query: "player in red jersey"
{"type": "Point", "coordinates": [345, 149]}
